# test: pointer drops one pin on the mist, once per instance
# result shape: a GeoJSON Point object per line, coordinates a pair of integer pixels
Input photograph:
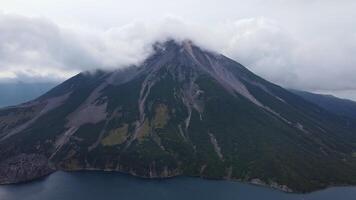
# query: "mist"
{"type": "Point", "coordinates": [36, 49]}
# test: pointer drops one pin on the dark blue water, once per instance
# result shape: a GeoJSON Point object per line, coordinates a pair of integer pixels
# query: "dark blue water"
{"type": "Point", "coordinates": [108, 186]}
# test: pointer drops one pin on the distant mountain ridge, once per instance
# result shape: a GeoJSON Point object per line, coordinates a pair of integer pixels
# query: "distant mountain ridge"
{"type": "Point", "coordinates": [339, 106]}
{"type": "Point", "coordinates": [19, 92]}
{"type": "Point", "coordinates": [184, 111]}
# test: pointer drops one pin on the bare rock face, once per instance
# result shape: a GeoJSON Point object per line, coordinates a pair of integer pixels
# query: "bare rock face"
{"type": "Point", "coordinates": [24, 167]}
{"type": "Point", "coordinates": [183, 111]}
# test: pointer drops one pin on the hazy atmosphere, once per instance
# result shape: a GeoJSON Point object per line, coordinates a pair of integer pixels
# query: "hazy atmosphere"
{"type": "Point", "coordinates": [178, 99]}
{"type": "Point", "coordinates": [308, 45]}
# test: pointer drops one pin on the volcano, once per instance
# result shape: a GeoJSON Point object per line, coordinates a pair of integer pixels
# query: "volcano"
{"type": "Point", "coordinates": [183, 111]}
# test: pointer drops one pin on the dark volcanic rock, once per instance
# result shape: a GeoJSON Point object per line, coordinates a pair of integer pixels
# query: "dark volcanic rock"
{"type": "Point", "coordinates": [23, 167]}
{"type": "Point", "coordinates": [185, 111]}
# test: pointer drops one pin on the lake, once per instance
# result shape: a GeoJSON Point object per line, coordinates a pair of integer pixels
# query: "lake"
{"type": "Point", "coordinates": [116, 186]}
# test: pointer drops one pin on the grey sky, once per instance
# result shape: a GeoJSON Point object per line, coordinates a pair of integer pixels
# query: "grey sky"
{"type": "Point", "coordinates": [303, 44]}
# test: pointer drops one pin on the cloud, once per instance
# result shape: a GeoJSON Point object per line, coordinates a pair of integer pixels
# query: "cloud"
{"type": "Point", "coordinates": [38, 49]}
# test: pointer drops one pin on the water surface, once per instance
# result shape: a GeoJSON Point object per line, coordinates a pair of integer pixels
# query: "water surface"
{"type": "Point", "coordinates": [116, 186]}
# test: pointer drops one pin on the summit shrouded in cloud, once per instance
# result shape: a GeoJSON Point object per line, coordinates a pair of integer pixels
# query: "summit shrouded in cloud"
{"type": "Point", "coordinates": [220, 89]}
{"type": "Point", "coordinates": [305, 45]}
{"type": "Point", "coordinates": [183, 111]}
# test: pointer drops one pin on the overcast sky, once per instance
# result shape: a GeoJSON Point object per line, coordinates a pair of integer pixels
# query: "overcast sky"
{"type": "Point", "coordinates": [302, 44]}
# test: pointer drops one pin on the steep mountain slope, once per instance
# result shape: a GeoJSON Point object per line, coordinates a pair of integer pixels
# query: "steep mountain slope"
{"type": "Point", "coordinates": [183, 111]}
{"type": "Point", "coordinates": [341, 107]}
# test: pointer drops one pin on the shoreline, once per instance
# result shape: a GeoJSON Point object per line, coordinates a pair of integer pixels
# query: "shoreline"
{"type": "Point", "coordinates": [254, 182]}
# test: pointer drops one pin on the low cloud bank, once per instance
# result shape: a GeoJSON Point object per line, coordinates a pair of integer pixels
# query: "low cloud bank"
{"type": "Point", "coordinates": [36, 49]}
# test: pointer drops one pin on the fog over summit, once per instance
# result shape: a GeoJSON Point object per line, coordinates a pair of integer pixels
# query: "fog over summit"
{"type": "Point", "coordinates": [183, 111]}
{"type": "Point", "coordinates": [304, 49]}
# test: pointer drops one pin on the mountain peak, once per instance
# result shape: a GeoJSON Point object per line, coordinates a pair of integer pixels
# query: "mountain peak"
{"type": "Point", "coordinates": [173, 43]}
{"type": "Point", "coordinates": [185, 111]}
{"type": "Point", "coordinates": [185, 61]}
{"type": "Point", "coordinates": [183, 53]}
{"type": "Point", "coordinates": [185, 46]}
